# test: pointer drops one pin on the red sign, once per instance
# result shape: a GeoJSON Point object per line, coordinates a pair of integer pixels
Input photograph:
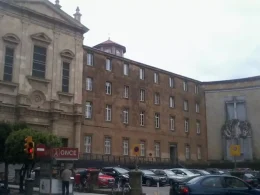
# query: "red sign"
{"type": "Point", "coordinates": [65, 153]}
{"type": "Point", "coordinates": [41, 150]}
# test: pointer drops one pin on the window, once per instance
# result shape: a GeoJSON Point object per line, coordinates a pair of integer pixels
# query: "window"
{"type": "Point", "coordinates": [157, 98]}
{"type": "Point", "coordinates": [142, 148]}
{"type": "Point", "coordinates": [90, 59]}
{"type": "Point", "coordinates": [196, 89]}
{"type": "Point", "coordinates": [108, 88]}
{"type": "Point", "coordinates": [171, 82]}
{"type": "Point", "coordinates": [141, 73]}
{"type": "Point", "coordinates": [198, 127]}
{"type": "Point", "coordinates": [126, 91]}
{"type": "Point", "coordinates": [185, 105]}
{"type": "Point", "coordinates": [126, 69]}
{"type": "Point", "coordinates": [187, 152]}
{"type": "Point", "coordinates": [185, 86]}
{"type": "Point", "coordinates": [9, 63]}
{"type": "Point", "coordinates": [157, 120]}
{"type": "Point", "coordinates": [171, 102]}
{"type": "Point", "coordinates": [65, 77]}
{"type": "Point", "coordinates": [186, 125]}
{"type": "Point", "coordinates": [125, 116]}
{"type": "Point", "coordinates": [236, 109]}
{"type": "Point", "coordinates": [142, 118]}
{"type": "Point", "coordinates": [88, 143]}
{"type": "Point", "coordinates": [212, 182]}
{"type": "Point", "coordinates": [108, 65]}
{"type": "Point", "coordinates": [172, 123]}
{"type": "Point", "coordinates": [39, 61]}
{"type": "Point", "coordinates": [88, 110]}
{"type": "Point", "coordinates": [199, 152]}
{"type": "Point", "coordinates": [157, 149]}
{"type": "Point", "coordinates": [89, 83]}
{"type": "Point", "coordinates": [156, 78]}
{"type": "Point", "coordinates": [235, 183]}
{"type": "Point", "coordinates": [197, 106]}
{"type": "Point", "coordinates": [107, 149]}
{"type": "Point", "coordinates": [125, 147]}
{"type": "Point", "coordinates": [108, 113]}
{"type": "Point", "coordinates": [142, 95]}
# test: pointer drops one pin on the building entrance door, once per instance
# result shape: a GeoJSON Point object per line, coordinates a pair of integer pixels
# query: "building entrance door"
{"type": "Point", "coordinates": [173, 153]}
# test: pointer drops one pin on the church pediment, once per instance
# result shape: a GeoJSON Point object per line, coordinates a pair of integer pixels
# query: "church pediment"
{"type": "Point", "coordinates": [45, 7]}
{"type": "Point", "coordinates": [42, 37]}
{"type": "Point", "coordinates": [11, 38]}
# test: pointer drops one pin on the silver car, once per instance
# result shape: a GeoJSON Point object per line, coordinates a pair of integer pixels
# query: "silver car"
{"type": "Point", "coordinates": [180, 174]}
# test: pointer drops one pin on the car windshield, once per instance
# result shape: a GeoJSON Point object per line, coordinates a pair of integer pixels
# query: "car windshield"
{"type": "Point", "coordinates": [193, 179]}
{"type": "Point", "coordinates": [205, 172]}
{"type": "Point", "coordinates": [249, 175]}
{"type": "Point", "coordinates": [101, 173]}
{"type": "Point", "coordinates": [187, 172]}
{"type": "Point", "coordinates": [147, 172]}
{"type": "Point", "coordinates": [120, 170]}
{"type": "Point", "coordinates": [168, 172]}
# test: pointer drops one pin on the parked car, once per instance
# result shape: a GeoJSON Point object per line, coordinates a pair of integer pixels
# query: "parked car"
{"type": "Point", "coordinates": [199, 171]}
{"type": "Point", "coordinates": [149, 178]}
{"type": "Point", "coordinates": [117, 173]}
{"type": "Point", "coordinates": [105, 180]}
{"type": "Point", "coordinates": [216, 184]}
{"type": "Point", "coordinates": [180, 173]}
{"type": "Point", "coordinates": [215, 171]}
{"type": "Point", "coordinates": [167, 173]}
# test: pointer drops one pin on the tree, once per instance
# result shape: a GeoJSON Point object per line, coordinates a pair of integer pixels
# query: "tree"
{"type": "Point", "coordinates": [14, 147]}
{"type": "Point", "coordinates": [6, 129]}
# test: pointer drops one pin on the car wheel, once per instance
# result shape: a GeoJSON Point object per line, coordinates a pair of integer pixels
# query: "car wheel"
{"type": "Point", "coordinates": [148, 182]}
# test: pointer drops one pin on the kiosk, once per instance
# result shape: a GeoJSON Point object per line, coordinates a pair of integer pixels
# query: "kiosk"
{"type": "Point", "coordinates": [52, 163]}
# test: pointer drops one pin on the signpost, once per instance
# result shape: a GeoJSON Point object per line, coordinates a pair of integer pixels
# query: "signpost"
{"type": "Point", "coordinates": [136, 153]}
{"type": "Point", "coordinates": [235, 151]}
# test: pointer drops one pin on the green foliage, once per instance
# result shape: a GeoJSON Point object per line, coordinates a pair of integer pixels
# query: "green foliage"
{"type": "Point", "coordinates": [6, 129]}
{"type": "Point", "coordinates": [14, 151]}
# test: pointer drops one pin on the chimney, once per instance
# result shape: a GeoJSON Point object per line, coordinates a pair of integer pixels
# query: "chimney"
{"type": "Point", "coordinates": [77, 15]}
{"type": "Point", "coordinates": [57, 4]}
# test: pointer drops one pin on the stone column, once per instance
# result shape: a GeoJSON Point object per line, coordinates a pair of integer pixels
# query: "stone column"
{"type": "Point", "coordinates": [77, 132]}
{"type": "Point", "coordinates": [54, 120]}
{"type": "Point", "coordinates": [135, 181]}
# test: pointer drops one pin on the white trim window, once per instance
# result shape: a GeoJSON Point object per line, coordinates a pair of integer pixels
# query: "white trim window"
{"type": "Point", "coordinates": [156, 98]}
{"type": "Point", "coordinates": [142, 118]}
{"type": "Point", "coordinates": [108, 116]}
{"type": "Point", "coordinates": [187, 152]}
{"type": "Point", "coordinates": [125, 116]}
{"type": "Point", "coordinates": [107, 145]}
{"type": "Point", "coordinates": [157, 150]}
{"type": "Point", "coordinates": [172, 123]}
{"type": "Point", "coordinates": [125, 147]}
{"type": "Point", "coordinates": [171, 82]}
{"type": "Point", "coordinates": [142, 148]}
{"type": "Point", "coordinates": [108, 65]}
{"type": "Point", "coordinates": [171, 102]}
{"type": "Point", "coordinates": [90, 59]}
{"type": "Point", "coordinates": [157, 120]}
{"type": "Point", "coordinates": [198, 127]}
{"type": "Point", "coordinates": [141, 73]}
{"type": "Point", "coordinates": [186, 125]}
{"type": "Point", "coordinates": [108, 88]}
{"type": "Point", "coordinates": [196, 89]}
{"type": "Point", "coordinates": [185, 105]}
{"type": "Point", "coordinates": [126, 92]}
{"type": "Point", "coordinates": [88, 110]}
{"type": "Point", "coordinates": [185, 86]}
{"type": "Point", "coordinates": [142, 95]}
{"type": "Point", "coordinates": [199, 152]}
{"type": "Point", "coordinates": [89, 84]}
{"type": "Point", "coordinates": [197, 107]}
{"type": "Point", "coordinates": [88, 144]}
{"type": "Point", "coordinates": [126, 69]}
{"type": "Point", "coordinates": [156, 77]}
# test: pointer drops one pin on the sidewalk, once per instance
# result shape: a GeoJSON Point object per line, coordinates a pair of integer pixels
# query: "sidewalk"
{"type": "Point", "coordinates": [36, 191]}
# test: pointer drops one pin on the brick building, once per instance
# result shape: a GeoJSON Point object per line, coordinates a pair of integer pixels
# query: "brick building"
{"type": "Point", "coordinates": [127, 103]}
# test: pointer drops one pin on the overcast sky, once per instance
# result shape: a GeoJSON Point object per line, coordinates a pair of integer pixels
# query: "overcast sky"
{"type": "Point", "coordinates": [202, 39]}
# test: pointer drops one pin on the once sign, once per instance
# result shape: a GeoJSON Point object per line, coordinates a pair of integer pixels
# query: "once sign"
{"type": "Point", "coordinates": [65, 153]}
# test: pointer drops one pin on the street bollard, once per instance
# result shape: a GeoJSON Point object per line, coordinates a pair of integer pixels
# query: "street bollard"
{"type": "Point", "coordinates": [29, 183]}
{"type": "Point", "coordinates": [135, 181]}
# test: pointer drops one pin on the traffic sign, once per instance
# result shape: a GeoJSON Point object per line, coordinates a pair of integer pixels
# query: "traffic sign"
{"type": "Point", "coordinates": [235, 150]}
{"type": "Point", "coordinates": [136, 150]}
{"type": "Point", "coordinates": [40, 150]}
{"type": "Point", "coordinates": [65, 153]}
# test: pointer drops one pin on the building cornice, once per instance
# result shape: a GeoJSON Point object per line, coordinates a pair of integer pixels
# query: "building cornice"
{"type": "Point", "coordinates": [87, 48]}
{"type": "Point", "coordinates": [241, 80]}
{"type": "Point", "coordinates": [232, 89]}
